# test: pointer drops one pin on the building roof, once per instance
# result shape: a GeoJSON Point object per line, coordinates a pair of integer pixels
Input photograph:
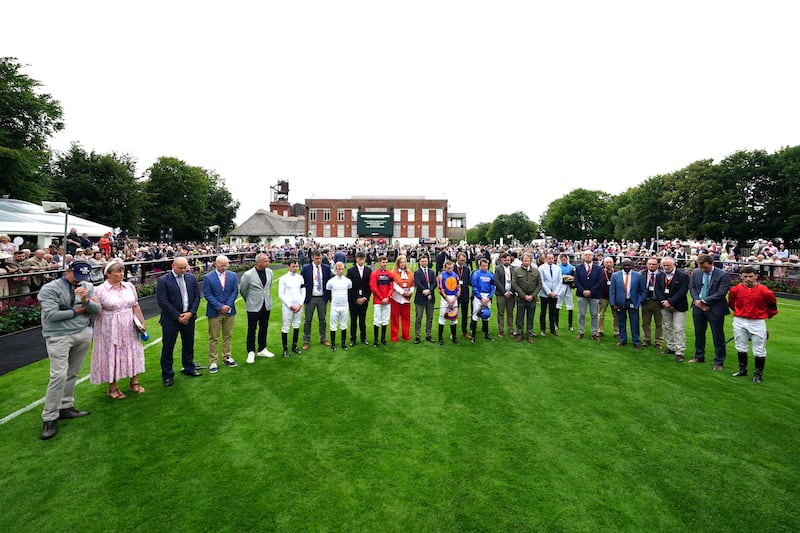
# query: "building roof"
{"type": "Point", "coordinates": [24, 218]}
{"type": "Point", "coordinates": [266, 224]}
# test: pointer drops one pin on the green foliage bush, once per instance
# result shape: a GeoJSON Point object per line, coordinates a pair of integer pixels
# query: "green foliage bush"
{"type": "Point", "coordinates": [24, 314]}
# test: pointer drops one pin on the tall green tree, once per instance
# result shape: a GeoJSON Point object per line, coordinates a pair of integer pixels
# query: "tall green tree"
{"type": "Point", "coordinates": [221, 208]}
{"type": "Point", "coordinates": [580, 214]}
{"type": "Point", "coordinates": [100, 187]}
{"type": "Point", "coordinates": [478, 233]}
{"type": "Point", "coordinates": [185, 198]}
{"type": "Point", "coordinates": [783, 207]}
{"type": "Point", "coordinates": [517, 224]}
{"type": "Point", "coordinates": [28, 118]}
{"type": "Point", "coordinates": [636, 212]}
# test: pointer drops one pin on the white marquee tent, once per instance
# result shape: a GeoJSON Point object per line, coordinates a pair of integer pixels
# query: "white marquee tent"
{"type": "Point", "coordinates": [29, 221]}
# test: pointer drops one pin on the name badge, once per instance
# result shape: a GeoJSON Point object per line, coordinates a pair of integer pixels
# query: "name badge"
{"type": "Point", "coordinates": [631, 305]}
{"type": "Point", "coordinates": [651, 288]}
{"type": "Point", "coordinates": [666, 291]}
{"type": "Point", "coordinates": [460, 282]}
{"type": "Point", "coordinates": [360, 292]}
{"type": "Point", "coordinates": [608, 283]}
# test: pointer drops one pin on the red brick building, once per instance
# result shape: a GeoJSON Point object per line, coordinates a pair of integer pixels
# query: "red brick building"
{"type": "Point", "coordinates": [407, 217]}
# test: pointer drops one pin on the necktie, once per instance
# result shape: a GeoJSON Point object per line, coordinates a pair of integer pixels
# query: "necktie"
{"type": "Point", "coordinates": [652, 279]}
{"type": "Point", "coordinates": [704, 289]}
{"type": "Point", "coordinates": [551, 272]}
{"type": "Point", "coordinates": [319, 279]}
{"type": "Point", "coordinates": [627, 294]}
{"type": "Point", "coordinates": [182, 288]}
{"type": "Point", "coordinates": [427, 279]}
{"type": "Point", "coordinates": [222, 280]}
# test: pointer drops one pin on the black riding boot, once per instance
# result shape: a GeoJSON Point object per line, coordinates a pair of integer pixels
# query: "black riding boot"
{"type": "Point", "coordinates": [759, 369]}
{"type": "Point", "coordinates": [742, 365]}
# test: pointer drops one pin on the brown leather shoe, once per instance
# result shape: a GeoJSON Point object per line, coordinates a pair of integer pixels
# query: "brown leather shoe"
{"type": "Point", "coordinates": [466, 336]}
{"type": "Point", "coordinates": [679, 359]}
{"type": "Point", "coordinates": [580, 336]}
{"type": "Point", "coordinates": [717, 368]}
{"type": "Point", "coordinates": [620, 343]}
{"type": "Point", "coordinates": [696, 360]}
{"type": "Point", "coordinates": [500, 334]}
{"type": "Point", "coordinates": [596, 338]}
{"type": "Point", "coordinates": [519, 339]}
{"type": "Point", "coordinates": [325, 343]}
{"type": "Point", "coordinates": [637, 346]}
{"type": "Point", "coordinates": [659, 347]}
{"type": "Point", "coordinates": [530, 340]}
{"type": "Point", "coordinates": [306, 346]}
{"type": "Point", "coordinates": [646, 344]}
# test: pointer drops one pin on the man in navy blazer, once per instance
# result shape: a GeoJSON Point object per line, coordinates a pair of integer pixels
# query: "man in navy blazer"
{"type": "Point", "coordinates": [316, 276]}
{"type": "Point", "coordinates": [221, 288]}
{"type": "Point", "coordinates": [588, 280]}
{"type": "Point", "coordinates": [359, 298]}
{"type": "Point", "coordinates": [626, 293]}
{"type": "Point", "coordinates": [426, 285]}
{"type": "Point", "coordinates": [178, 295]}
{"type": "Point", "coordinates": [709, 286]}
{"type": "Point", "coordinates": [672, 285]}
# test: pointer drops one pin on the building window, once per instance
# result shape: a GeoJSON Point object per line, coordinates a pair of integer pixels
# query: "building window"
{"type": "Point", "coordinates": [326, 215]}
{"type": "Point", "coordinates": [312, 230]}
{"type": "Point", "coordinates": [354, 231]}
{"type": "Point", "coordinates": [411, 231]}
{"type": "Point", "coordinates": [398, 214]}
{"type": "Point", "coordinates": [340, 232]}
{"type": "Point", "coordinates": [354, 213]}
{"type": "Point", "coordinates": [425, 215]}
{"type": "Point", "coordinates": [326, 230]}
{"type": "Point", "coordinates": [411, 215]}
{"type": "Point", "coordinates": [340, 215]}
{"type": "Point", "coordinates": [439, 231]}
{"type": "Point", "coordinates": [425, 231]}
{"type": "Point", "coordinates": [312, 215]}
{"type": "Point", "coordinates": [439, 215]}
{"type": "Point", "coordinates": [396, 230]}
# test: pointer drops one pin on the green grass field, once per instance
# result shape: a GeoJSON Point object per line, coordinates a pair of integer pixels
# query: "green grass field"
{"type": "Point", "coordinates": [564, 435]}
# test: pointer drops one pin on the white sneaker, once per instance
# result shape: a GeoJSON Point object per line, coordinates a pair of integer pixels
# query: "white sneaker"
{"type": "Point", "coordinates": [265, 353]}
{"type": "Point", "coordinates": [212, 369]}
{"type": "Point", "coordinates": [251, 357]}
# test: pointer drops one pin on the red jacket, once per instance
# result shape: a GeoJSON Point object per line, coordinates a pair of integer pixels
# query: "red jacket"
{"type": "Point", "coordinates": [756, 303]}
{"type": "Point", "coordinates": [380, 282]}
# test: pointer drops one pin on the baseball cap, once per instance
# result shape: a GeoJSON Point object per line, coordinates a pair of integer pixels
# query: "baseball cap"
{"type": "Point", "coordinates": [81, 270]}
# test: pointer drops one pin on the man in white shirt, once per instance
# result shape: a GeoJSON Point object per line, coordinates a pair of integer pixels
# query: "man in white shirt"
{"type": "Point", "coordinates": [292, 293]}
{"type": "Point", "coordinates": [339, 286]}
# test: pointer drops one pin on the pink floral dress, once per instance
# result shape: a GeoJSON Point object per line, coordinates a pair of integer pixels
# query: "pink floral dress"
{"type": "Point", "coordinates": [118, 352]}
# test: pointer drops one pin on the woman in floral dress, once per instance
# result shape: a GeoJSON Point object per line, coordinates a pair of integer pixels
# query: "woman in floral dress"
{"type": "Point", "coordinates": [117, 351]}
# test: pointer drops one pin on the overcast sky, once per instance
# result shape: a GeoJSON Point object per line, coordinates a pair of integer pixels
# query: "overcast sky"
{"type": "Point", "coordinates": [496, 106]}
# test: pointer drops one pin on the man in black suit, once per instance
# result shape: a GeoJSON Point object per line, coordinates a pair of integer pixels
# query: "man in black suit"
{"type": "Point", "coordinates": [709, 286]}
{"type": "Point", "coordinates": [178, 295]}
{"type": "Point", "coordinates": [672, 286]}
{"type": "Point", "coordinates": [464, 281]}
{"type": "Point", "coordinates": [425, 283]}
{"type": "Point", "coordinates": [316, 276]}
{"type": "Point", "coordinates": [359, 297]}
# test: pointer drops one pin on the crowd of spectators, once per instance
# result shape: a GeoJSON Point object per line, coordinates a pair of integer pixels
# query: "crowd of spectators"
{"type": "Point", "coordinates": [24, 271]}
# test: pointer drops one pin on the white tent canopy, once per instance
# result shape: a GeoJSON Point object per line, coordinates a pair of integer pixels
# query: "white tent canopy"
{"type": "Point", "coordinates": [18, 218]}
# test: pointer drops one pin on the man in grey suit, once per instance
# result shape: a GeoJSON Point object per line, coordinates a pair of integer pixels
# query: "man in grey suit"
{"type": "Point", "coordinates": [709, 286]}
{"type": "Point", "coordinates": [548, 296]}
{"type": "Point", "coordinates": [503, 274]}
{"type": "Point", "coordinates": [255, 288]}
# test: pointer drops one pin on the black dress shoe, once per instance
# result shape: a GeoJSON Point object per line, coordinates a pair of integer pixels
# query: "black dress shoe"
{"type": "Point", "coordinates": [429, 339]}
{"type": "Point", "coordinates": [669, 352]}
{"type": "Point", "coordinates": [441, 342]}
{"type": "Point", "coordinates": [297, 350]}
{"type": "Point", "coordinates": [168, 382]}
{"type": "Point", "coordinates": [333, 347]}
{"type": "Point", "coordinates": [416, 341]}
{"type": "Point", "coordinates": [344, 347]}
{"type": "Point", "coordinates": [193, 373]}
{"type": "Point", "coordinates": [365, 342]}
{"type": "Point", "coordinates": [71, 412]}
{"type": "Point", "coordinates": [286, 353]}
{"type": "Point", "coordinates": [352, 343]}
{"type": "Point", "coordinates": [49, 430]}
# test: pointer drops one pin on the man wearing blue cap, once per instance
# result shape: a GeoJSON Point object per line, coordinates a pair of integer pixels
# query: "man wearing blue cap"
{"type": "Point", "coordinates": [67, 305]}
